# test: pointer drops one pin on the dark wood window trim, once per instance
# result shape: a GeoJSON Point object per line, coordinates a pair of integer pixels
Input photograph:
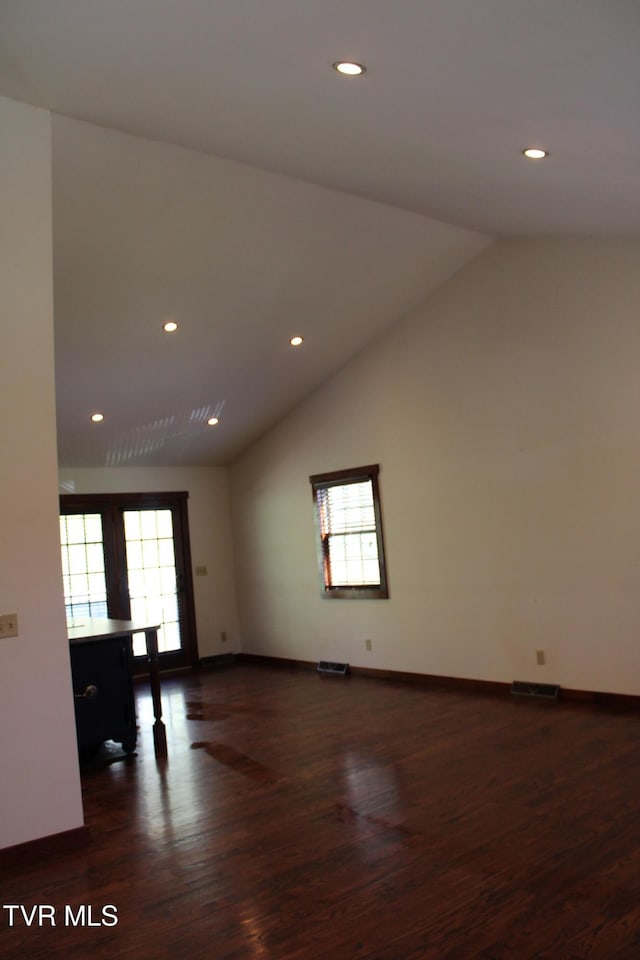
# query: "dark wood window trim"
{"type": "Point", "coordinates": [322, 481]}
{"type": "Point", "coordinates": [110, 504]}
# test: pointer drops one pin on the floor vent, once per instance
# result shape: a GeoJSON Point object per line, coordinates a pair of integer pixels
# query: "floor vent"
{"type": "Point", "coordinates": [337, 669]}
{"type": "Point", "coordinates": [547, 691]}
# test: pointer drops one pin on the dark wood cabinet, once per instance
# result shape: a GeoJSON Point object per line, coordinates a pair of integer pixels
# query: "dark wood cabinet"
{"type": "Point", "coordinates": [103, 692]}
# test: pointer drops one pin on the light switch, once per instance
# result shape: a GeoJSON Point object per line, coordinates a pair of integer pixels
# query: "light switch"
{"type": "Point", "coordinates": [8, 625]}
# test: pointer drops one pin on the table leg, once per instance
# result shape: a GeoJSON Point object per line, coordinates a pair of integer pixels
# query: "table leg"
{"type": "Point", "coordinates": [159, 731]}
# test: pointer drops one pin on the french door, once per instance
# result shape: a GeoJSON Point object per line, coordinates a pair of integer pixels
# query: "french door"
{"type": "Point", "coordinates": [127, 556]}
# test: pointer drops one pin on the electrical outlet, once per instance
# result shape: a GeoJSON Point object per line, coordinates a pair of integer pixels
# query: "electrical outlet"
{"type": "Point", "coordinates": [223, 636]}
{"type": "Point", "coordinates": [201, 571]}
{"type": "Point", "coordinates": [368, 644]}
{"type": "Point", "coordinates": [540, 657]}
{"type": "Point", "coordinates": [9, 625]}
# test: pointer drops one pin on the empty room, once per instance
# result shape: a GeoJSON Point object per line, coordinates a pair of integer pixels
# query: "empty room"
{"type": "Point", "coordinates": [320, 564]}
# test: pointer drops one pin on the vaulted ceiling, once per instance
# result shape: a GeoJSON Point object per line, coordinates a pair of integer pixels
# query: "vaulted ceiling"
{"type": "Point", "coordinates": [211, 166]}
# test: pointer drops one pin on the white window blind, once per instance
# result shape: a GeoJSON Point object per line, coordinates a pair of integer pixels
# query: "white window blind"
{"type": "Point", "coordinates": [347, 523]}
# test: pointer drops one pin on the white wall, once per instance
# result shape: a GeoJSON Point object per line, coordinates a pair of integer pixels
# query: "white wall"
{"type": "Point", "coordinates": [505, 416]}
{"type": "Point", "coordinates": [209, 530]}
{"type": "Point", "coordinates": [39, 779]}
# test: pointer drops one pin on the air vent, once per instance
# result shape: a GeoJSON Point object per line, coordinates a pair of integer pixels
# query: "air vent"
{"type": "Point", "coordinates": [337, 669]}
{"type": "Point", "coordinates": [547, 691]}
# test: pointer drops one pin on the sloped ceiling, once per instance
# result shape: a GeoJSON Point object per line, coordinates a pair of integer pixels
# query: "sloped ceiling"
{"type": "Point", "coordinates": [210, 165]}
{"type": "Point", "coordinates": [243, 260]}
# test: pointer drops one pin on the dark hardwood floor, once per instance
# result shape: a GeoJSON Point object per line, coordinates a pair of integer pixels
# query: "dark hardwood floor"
{"type": "Point", "coordinates": [309, 818]}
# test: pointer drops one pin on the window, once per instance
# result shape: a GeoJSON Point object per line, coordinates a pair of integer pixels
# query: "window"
{"type": "Point", "coordinates": [85, 585]}
{"type": "Point", "coordinates": [349, 526]}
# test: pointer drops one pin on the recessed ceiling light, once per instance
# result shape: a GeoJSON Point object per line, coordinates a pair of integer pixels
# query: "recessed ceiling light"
{"type": "Point", "coordinates": [349, 68]}
{"type": "Point", "coordinates": [170, 326]}
{"type": "Point", "coordinates": [296, 341]}
{"type": "Point", "coordinates": [97, 417]}
{"type": "Point", "coordinates": [212, 421]}
{"type": "Point", "coordinates": [535, 153]}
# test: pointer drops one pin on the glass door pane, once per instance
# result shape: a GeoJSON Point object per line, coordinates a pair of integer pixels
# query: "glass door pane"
{"type": "Point", "coordinates": [151, 572]}
{"type": "Point", "coordinates": [83, 572]}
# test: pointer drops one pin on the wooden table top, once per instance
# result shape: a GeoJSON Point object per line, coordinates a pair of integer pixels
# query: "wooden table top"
{"type": "Point", "coordinates": [99, 628]}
